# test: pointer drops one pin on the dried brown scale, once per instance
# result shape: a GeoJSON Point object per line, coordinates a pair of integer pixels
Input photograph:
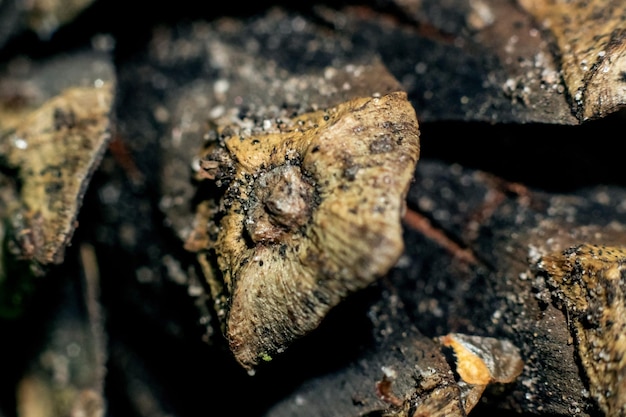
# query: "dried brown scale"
{"type": "Point", "coordinates": [280, 222]}
{"type": "Point", "coordinates": [592, 49]}
{"type": "Point", "coordinates": [588, 281]}
{"type": "Point", "coordinates": [296, 234]}
{"type": "Point", "coordinates": [55, 147]}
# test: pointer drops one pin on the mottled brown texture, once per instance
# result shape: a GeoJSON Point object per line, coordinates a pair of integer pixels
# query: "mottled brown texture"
{"type": "Point", "coordinates": [55, 148]}
{"type": "Point", "coordinates": [591, 44]}
{"type": "Point", "coordinates": [588, 281]}
{"type": "Point", "coordinates": [472, 241]}
{"type": "Point", "coordinates": [310, 214]}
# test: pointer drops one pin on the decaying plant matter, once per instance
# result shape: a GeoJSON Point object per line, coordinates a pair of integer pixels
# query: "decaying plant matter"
{"type": "Point", "coordinates": [310, 212]}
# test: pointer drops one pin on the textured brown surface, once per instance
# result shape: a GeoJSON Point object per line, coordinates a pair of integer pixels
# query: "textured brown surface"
{"type": "Point", "coordinates": [312, 212]}
{"type": "Point", "coordinates": [591, 45]}
{"type": "Point", "coordinates": [589, 282]}
{"type": "Point", "coordinates": [55, 148]}
{"type": "Point", "coordinates": [487, 202]}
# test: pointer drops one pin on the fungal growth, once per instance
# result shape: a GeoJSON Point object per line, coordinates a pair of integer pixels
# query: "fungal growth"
{"type": "Point", "coordinates": [307, 212]}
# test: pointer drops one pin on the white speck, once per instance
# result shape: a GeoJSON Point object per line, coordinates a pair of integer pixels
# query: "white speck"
{"type": "Point", "coordinates": [195, 290]}
{"type": "Point", "coordinates": [195, 164]}
{"type": "Point", "coordinates": [356, 70]}
{"type": "Point", "coordinates": [98, 83]}
{"type": "Point", "coordinates": [216, 112]}
{"type": "Point", "coordinates": [534, 254]}
{"type": "Point", "coordinates": [481, 15]}
{"type": "Point", "coordinates": [583, 65]}
{"type": "Point", "coordinates": [604, 355]}
{"type": "Point", "coordinates": [267, 124]}
{"type": "Point", "coordinates": [221, 86]}
{"type": "Point", "coordinates": [497, 315]}
{"type": "Point", "coordinates": [603, 197]}
{"type": "Point", "coordinates": [578, 96]}
{"type": "Point", "coordinates": [464, 100]}
{"type": "Point", "coordinates": [300, 400]}
{"type": "Point", "coordinates": [389, 372]}
{"type": "Point", "coordinates": [510, 84]}
{"type": "Point", "coordinates": [20, 143]}
{"type": "Point", "coordinates": [329, 73]}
